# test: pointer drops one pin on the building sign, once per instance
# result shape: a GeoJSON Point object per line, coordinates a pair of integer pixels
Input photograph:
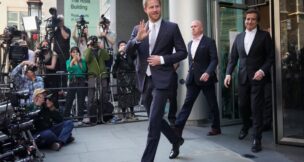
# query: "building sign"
{"type": "Point", "coordinates": [88, 8]}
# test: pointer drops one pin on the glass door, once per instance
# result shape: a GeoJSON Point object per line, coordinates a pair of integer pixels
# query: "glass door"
{"type": "Point", "coordinates": [290, 71]}
{"type": "Point", "coordinates": [230, 24]}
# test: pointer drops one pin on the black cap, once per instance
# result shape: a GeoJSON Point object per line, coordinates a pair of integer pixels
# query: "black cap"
{"type": "Point", "coordinates": [51, 97]}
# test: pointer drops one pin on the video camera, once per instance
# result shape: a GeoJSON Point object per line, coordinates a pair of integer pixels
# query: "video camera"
{"type": "Point", "coordinates": [81, 25]}
{"type": "Point", "coordinates": [51, 23]}
{"type": "Point", "coordinates": [10, 32]}
{"type": "Point", "coordinates": [104, 22]}
{"type": "Point", "coordinates": [17, 53]}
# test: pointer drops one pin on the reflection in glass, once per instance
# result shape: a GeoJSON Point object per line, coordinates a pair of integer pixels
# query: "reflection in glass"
{"type": "Point", "coordinates": [292, 54]}
{"type": "Point", "coordinates": [231, 23]}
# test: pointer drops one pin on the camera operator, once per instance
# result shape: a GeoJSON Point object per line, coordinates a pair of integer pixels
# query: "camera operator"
{"type": "Point", "coordinates": [29, 81]}
{"type": "Point", "coordinates": [50, 129]}
{"type": "Point", "coordinates": [62, 44]}
{"type": "Point", "coordinates": [97, 74]}
{"type": "Point", "coordinates": [47, 62]}
{"type": "Point", "coordinates": [81, 37]}
{"type": "Point", "coordinates": [107, 39]}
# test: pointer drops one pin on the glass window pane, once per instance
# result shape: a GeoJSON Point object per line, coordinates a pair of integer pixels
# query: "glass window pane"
{"type": "Point", "coordinates": [292, 55]}
{"type": "Point", "coordinates": [231, 23]}
{"type": "Point", "coordinates": [12, 16]}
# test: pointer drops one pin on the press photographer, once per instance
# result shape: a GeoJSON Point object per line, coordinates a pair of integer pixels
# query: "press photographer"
{"type": "Point", "coordinates": [95, 58]}
{"type": "Point", "coordinates": [51, 131]}
{"type": "Point", "coordinates": [14, 45]}
{"type": "Point", "coordinates": [27, 81]}
{"type": "Point", "coordinates": [106, 38]}
{"type": "Point", "coordinates": [80, 33]}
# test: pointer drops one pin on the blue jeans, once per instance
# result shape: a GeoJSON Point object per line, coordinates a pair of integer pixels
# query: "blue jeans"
{"type": "Point", "coordinates": [58, 133]}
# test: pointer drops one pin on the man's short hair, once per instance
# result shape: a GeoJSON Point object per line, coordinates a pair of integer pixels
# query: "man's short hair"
{"type": "Point", "coordinates": [32, 68]}
{"type": "Point", "coordinates": [252, 10]}
{"type": "Point", "coordinates": [120, 42]}
{"type": "Point", "coordinates": [146, 1]}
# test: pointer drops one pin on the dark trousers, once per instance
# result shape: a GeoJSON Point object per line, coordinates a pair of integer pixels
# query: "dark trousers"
{"type": "Point", "coordinates": [154, 101]}
{"type": "Point", "coordinates": [101, 85]}
{"type": "Point", "coordinates": [267, 114]}
{"type": "Point", "coordinates": [193, 91]}
{"type": "Point", "coordinates": [172, 99]}
{"type": "Point", "coordinates": [57, 133]}
{"type": "Point", "coordinates": [251, 104]}
{"type": "Point", "coordinates": [81, 93]}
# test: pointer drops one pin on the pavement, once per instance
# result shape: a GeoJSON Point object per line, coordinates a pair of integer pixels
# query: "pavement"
{"type": "Point", "coordinates": [125, 142]}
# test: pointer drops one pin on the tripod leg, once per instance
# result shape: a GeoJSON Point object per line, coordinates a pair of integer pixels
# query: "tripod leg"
{"type": "Point", "coordinates": [39, 154]}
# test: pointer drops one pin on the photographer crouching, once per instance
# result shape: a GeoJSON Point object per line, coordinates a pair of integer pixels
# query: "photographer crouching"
{"type": "Point", "coordinates": [51, 131]}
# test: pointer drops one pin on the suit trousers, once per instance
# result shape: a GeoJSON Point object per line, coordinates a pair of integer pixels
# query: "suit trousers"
{"type": "Point", "coordinates": [172, 98]}
{"type": "Point", "coordinates": [154, 101]}
{"type": "Point", "coordinates": [193, 91]}
{"type": "Point", "coordinates": [251, 103]}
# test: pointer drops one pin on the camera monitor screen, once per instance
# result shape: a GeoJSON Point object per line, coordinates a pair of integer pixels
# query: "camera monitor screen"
{"type": "Point", "coordinates": [30, 23]}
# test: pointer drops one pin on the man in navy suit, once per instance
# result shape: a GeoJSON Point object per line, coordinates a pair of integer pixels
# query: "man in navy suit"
{"type": "Point", "coordinates": [203, 61]}
{"type": "Point", "coordinates": [152, 44]}
{"type": "Point", "coordinates": [254, 51]}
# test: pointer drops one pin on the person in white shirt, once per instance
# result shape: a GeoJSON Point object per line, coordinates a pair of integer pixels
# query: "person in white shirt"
{"type": "Point", "coordinates": [203, 60]}
{"type": "Point", "coordinates": [252, 50]}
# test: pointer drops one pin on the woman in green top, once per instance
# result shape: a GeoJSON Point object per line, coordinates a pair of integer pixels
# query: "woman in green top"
{"type": "Point", "coordinates": [76, 67]}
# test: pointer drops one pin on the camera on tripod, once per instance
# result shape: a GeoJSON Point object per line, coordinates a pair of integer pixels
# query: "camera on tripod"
{"type": "Point", "coordinates": [43, 50]}
{"type": "Point", "coordinates": [17, 49]}
{"type": "Point", "coordinates": [81, 25]}
{"type": "Point", "coordinates": [104, 22]}
{"type": "Point", "coordinates": [51, 23]}
{"type": "Point", "coordinates": [10, 32]}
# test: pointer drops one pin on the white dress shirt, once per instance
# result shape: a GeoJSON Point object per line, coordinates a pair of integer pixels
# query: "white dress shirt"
{"type": "Point", "coordinates": [249, 37]}
{"type": "Point", "coordinates": [157, 27]}
{"type": "Point", "coordinates": [194, 45]}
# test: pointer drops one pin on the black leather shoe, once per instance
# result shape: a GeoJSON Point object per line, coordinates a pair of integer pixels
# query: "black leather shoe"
{"type": "Point", "coordinates": [243, 133]}
{"type": "Point", "coordinates": [175, 149]}
{"type": "Point", "coordinates": [256, 146]}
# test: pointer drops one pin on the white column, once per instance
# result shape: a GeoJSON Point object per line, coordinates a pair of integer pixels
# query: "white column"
{"type": "Point", "coordinates": [183, 12]}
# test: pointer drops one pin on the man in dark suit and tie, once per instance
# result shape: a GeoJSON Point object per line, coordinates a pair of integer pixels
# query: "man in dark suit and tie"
{"type": "Point", "coordinates": [253, 48]}
{"type": "Point", "coordinates": [201, 77]}
{"type": "Point", "coordinates": [152, 44]}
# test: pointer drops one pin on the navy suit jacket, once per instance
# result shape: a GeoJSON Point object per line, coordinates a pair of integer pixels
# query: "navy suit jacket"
{"type": "Point", "coordinates": [169, 38]}
{"type": "Point", "coordinates": [260, 56]}
{"type": "Point", "coordinates": [205, 60]}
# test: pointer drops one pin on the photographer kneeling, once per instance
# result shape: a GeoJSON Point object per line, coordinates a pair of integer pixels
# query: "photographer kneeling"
{"type": "Point", "coordinates": [50, 129]}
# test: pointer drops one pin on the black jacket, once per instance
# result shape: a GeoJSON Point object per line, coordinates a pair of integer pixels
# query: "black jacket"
{"type": "Point", "coordinates": [205, 61]}
{"type": "Point", "coordinates": [46, 119]}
